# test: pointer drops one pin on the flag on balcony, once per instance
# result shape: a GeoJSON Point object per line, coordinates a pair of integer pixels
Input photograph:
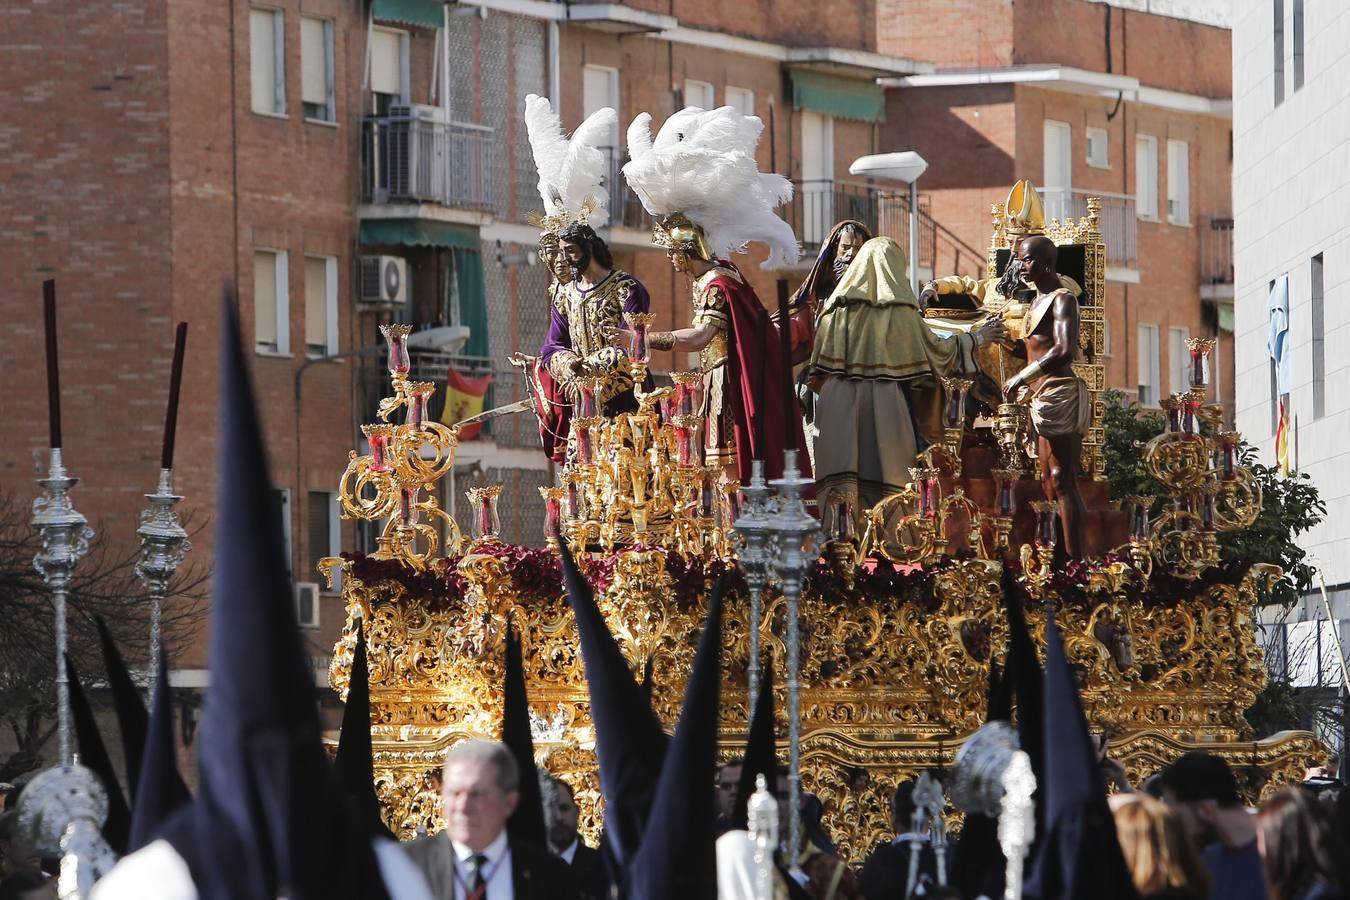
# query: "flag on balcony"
{"type": "Point", "coordinates": [463, 399]}
{"type": "Point", "coordinates": [1277, 341]}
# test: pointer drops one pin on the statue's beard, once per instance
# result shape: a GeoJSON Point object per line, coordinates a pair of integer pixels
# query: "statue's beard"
{"type": "Point", "coordinates": [580, 266]}
{"type": "Point", "coordinates": [1011, 280]}
{"type": "Point", "coordinates": [839, 267]}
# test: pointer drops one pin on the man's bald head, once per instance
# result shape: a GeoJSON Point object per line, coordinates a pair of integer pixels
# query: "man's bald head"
{"type": "Point", "coordinates": [1037, 255]}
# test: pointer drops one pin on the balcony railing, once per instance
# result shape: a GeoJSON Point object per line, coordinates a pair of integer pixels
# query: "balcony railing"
{"type": "Point", "coordinates": [410, 159]}
{"type": "Point", "coordinates": [625, 209]}
{"type": "Point", "coordinates": [373, 381]}
{"type": "Point", "coordinates": [1216, 250]}
{"type": "Point", "coordinates": [1119, 223]}
{"type": "Point", "coordinates": [817, 205]}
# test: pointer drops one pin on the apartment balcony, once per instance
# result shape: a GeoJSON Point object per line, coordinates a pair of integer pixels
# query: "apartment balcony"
{"type": "Point", "coordinates": [373, 382]}
{"type": "Point", "coordinates": [1119, 223]}
{"type": "Point", "coordinates": [1216, 255]}
{"type": "Point", "coordinates": [414, 165]}
{"type": "Point", "coordinates": [817, 205]}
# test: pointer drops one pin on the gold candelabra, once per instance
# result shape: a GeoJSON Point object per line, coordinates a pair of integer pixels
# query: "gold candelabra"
{"type": "Point", "coordinates": [1195, 460]}
{"type": "Point", "coordinates": [639, 477]}
{"type": "Point", "coordinates": [406, 458]}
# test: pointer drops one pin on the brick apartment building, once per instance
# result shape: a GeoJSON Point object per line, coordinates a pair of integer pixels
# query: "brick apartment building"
{"type": "Point", "coordinates": [347, 164]}
{"type": "Point", "coordinates": [1086, 99]}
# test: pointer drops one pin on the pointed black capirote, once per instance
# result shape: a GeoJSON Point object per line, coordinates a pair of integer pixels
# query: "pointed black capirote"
{"type": "Point", "coordinates": [161, 790]}
{"type": "Point", "coordinates": [94, 757]}
{"type": "Point", "coordinates": [998, 696]}
{"type": "Point", "coordinates": [132, 718]}
{"type": "Point", "coordinates": [527, 821]}
{"type": "Point", "coordinates": [259, 822]}
{"type": "Point", "coordinates": [1079, 856]}
{"type": "Point", "coordinates": [1024, 670]}
{"type": "Point", "coordinates": [677, 857]}
{"type": "Point", "coordinates": [629, 741]}
{"type": "Point", "coordinates": [648, 671]}
{"type": "Point", "coordinates": [761, 750]}
{"type": "Point", "coordinates": [354, 762]}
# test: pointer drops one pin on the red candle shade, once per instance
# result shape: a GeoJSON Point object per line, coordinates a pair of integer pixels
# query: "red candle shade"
{"type": "Point", "coordinates": [417, 409]}
{"type": "Point", "coordinates": [584, 455]}
{"type": "Point", "coordinates": [587, 400]}
{"type": "Point", "coordinates": [175, 385]}
{"type": "Point", "coordinates": [573, 500]}
{"type": "Point", "coordinates": [683, 449]}
{"type": "Point", "coordinates": [637, 345]}
{"type": "Point", "coordinates": [552, 516]}
{"type": "Point", "coordinates": [53, 373]}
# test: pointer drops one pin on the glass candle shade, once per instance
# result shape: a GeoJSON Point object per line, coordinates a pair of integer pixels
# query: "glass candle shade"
{"type": "Point", "coordinates": [1228, 449]}
{"type": "Point", "coordinates": [553, 499]}
{"type": "Point", "coordinates": [586, 398]}
{"type": "Point", "coordinates": [1207, 510]}
{"type": "Point", "coordinates": [574, 494]}
{"type": "Point", "coordinates": [397, 337]}
{"type": "Point", "coordinates": [378, 436]}
{"type": "Point", "coordinates": [1172, 405]}
{"type": "Point", "coordinates": [923, 485]}
{"type": "Point", "coordinates": [585, 447]}
{"type": "Point", "coordinates": [1139, 524]}
{"type": "Point", "coordinates": [638, 348]}
{"type": "Point", "coordinates": [1045, 522]}
{"type": "Point", "coordinates": [1189, 407]}
{"type": "Point", "coordinates": [407, 506]}
{"type": "Point", "coordinates": [1005, 501]}
{"type": "Point", "coordinates": [484, 502]}
{"type": "Point", "coordinates": [954, 412]}
{"type": "Point", "coordinates": [1200, 349]}
{"type": "Point", "coordinates": [708, 498]}
{"type": "Point", "coordinates": [417, 406]}
{"type": "Point", "coordinates": [843, 518]}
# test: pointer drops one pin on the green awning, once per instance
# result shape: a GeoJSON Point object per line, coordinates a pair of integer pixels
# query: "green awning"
{"type": "Point", "coordinates": [427, 13]}
{"type": "Point", "coordinates": [418, 233]}
{"type": "Point", "coordinates": [843, 98]}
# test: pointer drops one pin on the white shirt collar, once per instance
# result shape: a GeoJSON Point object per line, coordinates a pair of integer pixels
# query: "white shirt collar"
{"type": "Point", "coordinates": [493, 851]}
{"type": "Point", "coordinates": [570, 853]}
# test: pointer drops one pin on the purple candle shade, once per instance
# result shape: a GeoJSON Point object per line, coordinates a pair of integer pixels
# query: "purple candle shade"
{"type": "Point", "coordinates": [53, 373]}
{"type": "Point", "coordinates": [175, 386]}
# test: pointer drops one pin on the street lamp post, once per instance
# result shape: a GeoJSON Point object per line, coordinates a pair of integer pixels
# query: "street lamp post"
{"type": "Point", "coordinates": [906, 166]}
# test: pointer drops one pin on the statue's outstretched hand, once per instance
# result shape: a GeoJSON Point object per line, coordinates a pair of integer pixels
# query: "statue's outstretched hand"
{"type": "Point", "coordinates": [991, 330]}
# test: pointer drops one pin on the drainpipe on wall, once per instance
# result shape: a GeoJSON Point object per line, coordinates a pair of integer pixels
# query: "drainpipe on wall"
{"type": "Point", "coordinates": [554, 67]}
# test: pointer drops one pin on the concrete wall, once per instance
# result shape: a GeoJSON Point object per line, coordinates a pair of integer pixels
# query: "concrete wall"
{"type": "Point", "coordinates": [1291, 190]}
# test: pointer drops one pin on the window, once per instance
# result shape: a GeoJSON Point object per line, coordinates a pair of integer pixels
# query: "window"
{"type": "Point", "coordinates": [600, 88]}
{"type": "Point", "coordinates": [1058, 169]}
{"type": "Point", "coordinates": [271, 302]}
{"type": "Point", "coordinates": [1319, 337]}
{"type": "Point", "coordinates": [1178, 182]}
{"type": "Point", "coordinates": [321, 305]}
{"type": "Point", "coordinates": [1097, 155]}
{"type": "Point", "coordinates": [1298, 44]}
{"type": "Point", "coordinates": [267, 60]}
{"type": "Point", "coordinates": [1279, 52]}
{"type": "Point", "coordinates": [1148, 365]}
{"type": "Point", "coordinates": [325, 533]}
{"type": "Point", "coordinates": [700, 94]}
{"type": "Point", "coordinates": [390, 76]}
{"type": "Point", "coordinates": [1178, 359]}
{"type": "Point", "coordinates": [316, 69]}
{"type": "Point", "coordinates": [1146, 176]}
{"type": "Point", "coordinates": [742, 100]}
{"type": "Point", "coordinates": [817, 189]}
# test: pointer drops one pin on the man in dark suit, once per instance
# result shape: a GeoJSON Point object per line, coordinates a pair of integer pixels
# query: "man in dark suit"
{"type": "Point", "coordinates": [473, 859]}
{"type": "Point", "coordinates": [586, 863]}
{"type": "Point", "coordinates": [886, 871]}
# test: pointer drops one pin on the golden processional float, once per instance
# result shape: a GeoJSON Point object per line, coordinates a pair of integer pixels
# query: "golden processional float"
{"type": "Point", "coordinates": [896, 623]}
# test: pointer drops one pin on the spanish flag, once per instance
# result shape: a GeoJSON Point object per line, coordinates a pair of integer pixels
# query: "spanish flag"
{"type": "Point", "coordinates": [463, 400]}
{"type": "Point", "coordinates": [1282, 436]}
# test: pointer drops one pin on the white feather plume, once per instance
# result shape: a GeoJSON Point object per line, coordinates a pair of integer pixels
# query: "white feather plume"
{"type": "Point", "coordinates": [572, 172]}
{"type": "Point", "coordinates": [702, 164]}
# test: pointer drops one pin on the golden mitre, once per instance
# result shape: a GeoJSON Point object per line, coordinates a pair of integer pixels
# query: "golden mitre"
{"type": "Point", "coordinates": [677, 232]}
{"type": "Point", "coordinates": [1024, 212]}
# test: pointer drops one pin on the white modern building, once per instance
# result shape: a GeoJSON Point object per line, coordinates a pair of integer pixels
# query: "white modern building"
{"type": "Point", "coordinates": [1291, 204]}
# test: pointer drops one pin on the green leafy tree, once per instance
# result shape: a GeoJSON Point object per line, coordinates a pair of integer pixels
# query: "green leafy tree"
{"type": "Point", "coordinates": [1290, 505]}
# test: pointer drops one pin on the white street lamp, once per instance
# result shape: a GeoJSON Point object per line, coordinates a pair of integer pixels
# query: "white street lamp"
{"type": "Point", "coordinates": [906, 166]}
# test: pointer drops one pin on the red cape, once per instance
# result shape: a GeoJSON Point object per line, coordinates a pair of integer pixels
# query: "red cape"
{"type": "Point", "coordinates": [756, 382]}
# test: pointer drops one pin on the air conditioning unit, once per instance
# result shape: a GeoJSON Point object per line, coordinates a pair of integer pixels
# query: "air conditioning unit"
{"type": "Point", "coordinates": [422, 112]}
{"type": "Point", "coordinates": [384, 279]}
{"type": "Point", "coordinates": [307, 604]}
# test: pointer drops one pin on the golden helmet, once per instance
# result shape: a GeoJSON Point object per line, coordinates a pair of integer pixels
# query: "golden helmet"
{"type": "Point", "coordinates": [677, 232]}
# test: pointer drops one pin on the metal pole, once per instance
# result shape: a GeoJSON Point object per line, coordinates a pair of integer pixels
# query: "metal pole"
{"type": "Point", "coordinates": [164, 543]}
{"type": "Point", "coordinates": [1335, 637]}
{"type": "Point", "coordinates": [65, 540]}
{"type": "Point", "coordinates": [752, 527]}
{"type": "Point", "coordinates": [795, 534]}
{"type": "Point", "coordinates": [914, 236]}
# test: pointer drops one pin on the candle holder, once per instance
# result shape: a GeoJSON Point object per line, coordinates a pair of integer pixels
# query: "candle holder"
{"type": "Point", "coordinates": [486, 525]}
{"type": "Point", "coordinates": [553, 517]}
{"type": "Point", "coordinates": [752, 530]}
{"type": "Point", "coordinates": [164, 544]}
{"type": "Point", "coordinates": [418, 394]}
{"type": "Point", "coordinates": [1173, 406]}
{"type": "Point", "coordinates": [397, 338]}
{"type": "Point", "coordinates": [955, 391]}
{"type": "Point", "coordinates": [638, 349]}
{"type": "Point", "coordinates": [842, 549]}
{"type": "Point", "coordinates": [794, 533]}
{"type": "Point", "coordinates": [688, 392]}
{"type": "Point", "coordinates": [1200, 350]}
{"type": "Point", "coordinates": [1012, 423]}
{"type": "Point", "coordinates": [66, 537]}
{"type": "Point", "coordinates": [1005, 507]}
